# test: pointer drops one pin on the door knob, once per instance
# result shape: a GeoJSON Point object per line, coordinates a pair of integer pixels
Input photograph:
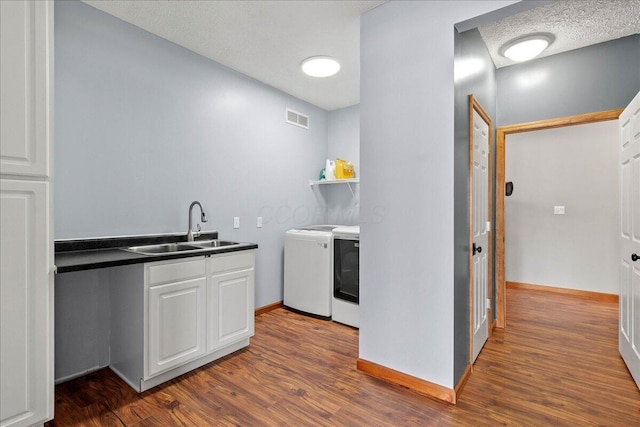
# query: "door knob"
{"type": "Point", "coordinates": [634, 257]}
{"type": "Point", "coordinates": [476, 249]}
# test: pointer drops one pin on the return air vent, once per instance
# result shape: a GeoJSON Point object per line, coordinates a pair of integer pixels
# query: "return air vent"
{"type": "Point", "coordinates": [297, 119]}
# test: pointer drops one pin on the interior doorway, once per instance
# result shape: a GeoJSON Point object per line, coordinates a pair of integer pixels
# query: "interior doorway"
{"type": "Point", "coordinates": [501, 134]}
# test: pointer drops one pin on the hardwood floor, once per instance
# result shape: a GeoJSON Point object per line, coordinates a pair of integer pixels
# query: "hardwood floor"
{"type": "Point", "coordinates": [557, 364]}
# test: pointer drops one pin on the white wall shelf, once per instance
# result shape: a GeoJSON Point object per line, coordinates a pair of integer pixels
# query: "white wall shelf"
{"type": "Point", "coordinates": [337, 181]}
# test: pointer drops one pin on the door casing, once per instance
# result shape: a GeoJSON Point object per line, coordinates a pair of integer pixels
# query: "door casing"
{"type": "Point", "coordinates": [501, 133]}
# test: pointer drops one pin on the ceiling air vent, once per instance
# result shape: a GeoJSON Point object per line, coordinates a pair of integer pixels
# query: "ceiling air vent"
{"type": "Point", "coordinates": [297, 119]}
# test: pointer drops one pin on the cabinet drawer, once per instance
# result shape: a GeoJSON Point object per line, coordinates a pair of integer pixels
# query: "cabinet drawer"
{"type": "Point", "coordinates": [232, 261]}
{"type": "Point", "coordinates": [171, 271]}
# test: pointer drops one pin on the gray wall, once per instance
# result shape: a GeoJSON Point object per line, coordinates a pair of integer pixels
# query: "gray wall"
{"type": "Point", "coordinates": [407, 128]}
{"type": "Point", "coordinates": [575, 167]}
{"type": "Point", "coordinates": [408, 255]}
{"type": "Point", "coordinates": [344, 143]}
{"type": "Point", "coordinates": [595, 78]}
{"type": "Point", "coordinates": [474, 74]}
{"type": "Point", "coordinates": [142, 128]}
{"type": "Point", "coordinates": [81, 322]}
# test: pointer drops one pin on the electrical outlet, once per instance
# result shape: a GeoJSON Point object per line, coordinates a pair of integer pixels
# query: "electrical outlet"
{"type": "Point", "coordinates": [558, 210]}
{"type": "Point", "coordinates": [259, 222]}
{"type": "Point", "coordinates": [236, 222]}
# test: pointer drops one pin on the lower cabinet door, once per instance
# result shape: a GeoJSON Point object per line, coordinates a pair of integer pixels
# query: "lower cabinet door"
{"type": "Point", "coordinates": [231, 308]}
{"type": "Point", "coordinates": [176, 324]}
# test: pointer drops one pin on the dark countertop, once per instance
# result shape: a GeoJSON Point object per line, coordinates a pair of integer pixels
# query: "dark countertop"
{"type": "Point", "coordinates": [88, 254]}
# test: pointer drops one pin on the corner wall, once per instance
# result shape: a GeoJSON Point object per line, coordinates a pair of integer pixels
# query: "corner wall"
{"type": "Point", "coordinates": [343, 207]}
{"type": "Point", "coordinates": [143, 127]}
{"type": "Point", "coordinates": [474, 75]}
{"type": "Point", "coordinates": [407, 127]}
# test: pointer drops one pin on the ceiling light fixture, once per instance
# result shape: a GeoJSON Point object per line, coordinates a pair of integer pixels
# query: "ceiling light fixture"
{"type": "Point", "coordinates": [526, 47]}
{"type": "Point", "coordinates": [320, 66]}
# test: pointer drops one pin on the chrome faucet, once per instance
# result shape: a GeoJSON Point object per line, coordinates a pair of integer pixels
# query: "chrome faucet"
{"type": "Point", "coordinates": [203, 218]}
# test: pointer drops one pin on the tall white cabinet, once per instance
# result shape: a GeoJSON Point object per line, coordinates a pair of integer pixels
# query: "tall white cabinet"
{"type": "Point", "coordinates": [26, 235]}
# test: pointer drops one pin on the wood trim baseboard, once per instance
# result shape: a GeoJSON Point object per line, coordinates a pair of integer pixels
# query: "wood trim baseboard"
{"type": "Point", "coordinates": [463, 380]}
{"type": "Point", "coordinates": [590, 295]}
{"type": "Point", "coordinates": [418, 385]}
{"type": "Point", "coordinates": [268, 308]}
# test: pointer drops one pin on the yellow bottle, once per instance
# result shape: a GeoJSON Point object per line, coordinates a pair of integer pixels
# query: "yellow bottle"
{"type": "Point", "coordinates": [348, 170]}
{"type": "Point", "coordinates": [340, 163]}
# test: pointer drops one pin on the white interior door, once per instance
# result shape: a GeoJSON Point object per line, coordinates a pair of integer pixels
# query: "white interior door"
{"type": "Point", "coordinates": [480, 230]}
{"type": "Point", "coordinates": [629, 334]}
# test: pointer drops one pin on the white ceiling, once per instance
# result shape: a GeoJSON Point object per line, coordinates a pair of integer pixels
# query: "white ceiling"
{"type": "Point", "coordinates": [267, 40]}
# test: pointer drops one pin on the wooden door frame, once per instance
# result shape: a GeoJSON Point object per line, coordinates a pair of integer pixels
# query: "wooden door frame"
{"type": "Point", "coordinates": [474, 105]}
{"type": "Point", "coordinates": [501, 133]}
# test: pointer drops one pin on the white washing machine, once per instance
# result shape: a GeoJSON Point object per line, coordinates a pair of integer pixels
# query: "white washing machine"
{"type": "Point", "coordinates": [307, 270]}
{"type": "Point", "coordinates": [346, 275]}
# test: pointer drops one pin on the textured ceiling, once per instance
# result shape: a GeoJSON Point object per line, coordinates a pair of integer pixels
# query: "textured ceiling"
{"type": "Point", "coordinates": [575, 24]}
{"type": "Point", "coordinates": [266, 40]}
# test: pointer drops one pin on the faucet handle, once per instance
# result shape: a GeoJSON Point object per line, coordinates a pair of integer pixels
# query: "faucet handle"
{"type": "Point", "coordinates": [197, 233]}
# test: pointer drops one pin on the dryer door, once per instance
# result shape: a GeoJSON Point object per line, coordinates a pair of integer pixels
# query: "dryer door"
{"type": "Point", "coordinates": [346, 271]}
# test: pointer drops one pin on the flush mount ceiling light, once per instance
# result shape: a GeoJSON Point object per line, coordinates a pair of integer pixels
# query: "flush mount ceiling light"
{"type": "Point", "coordinates": [526, 47]}
{"type": "Point", "coordinates": [320, 66]}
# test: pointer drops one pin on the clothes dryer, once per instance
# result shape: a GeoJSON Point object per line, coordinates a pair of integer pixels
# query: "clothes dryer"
{"type": "Point", "coordinates": [345, 304]}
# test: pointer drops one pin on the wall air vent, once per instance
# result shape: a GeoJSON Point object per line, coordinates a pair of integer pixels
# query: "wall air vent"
{"type": "Point", "coordinates": [297, 119]}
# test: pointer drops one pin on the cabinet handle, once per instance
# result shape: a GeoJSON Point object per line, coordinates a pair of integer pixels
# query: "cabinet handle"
{"type": "Point", "coordinates": [634, 257]}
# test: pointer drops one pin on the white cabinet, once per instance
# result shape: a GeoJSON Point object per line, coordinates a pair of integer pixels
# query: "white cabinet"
{"type": "Point", "coordinates": [26, 356]}
{"type": "Point", "coordinates": [170, 317]}
{"type": "Point", "coordinates": [176, 314]}
{"type": "Point", "coordinates": [230, 298]}
{"type": "Point", "coordinates": [26, 263]}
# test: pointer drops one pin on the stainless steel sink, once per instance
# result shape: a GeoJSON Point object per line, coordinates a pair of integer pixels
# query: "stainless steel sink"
{"type": "Point", "coordinates": [213, 243]}
{"type": "Point", "coordinates": [164, 248]}
{"type": "Point", "coordinates": [167, 248]}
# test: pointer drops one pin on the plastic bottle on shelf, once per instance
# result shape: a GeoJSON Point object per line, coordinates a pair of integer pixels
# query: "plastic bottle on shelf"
{"type": "Point", "coordinates": [330, 171]}
{"type": "Point", "coordinates": [340, 168]}
{"type": "Point", "coordinates": [349, 172]}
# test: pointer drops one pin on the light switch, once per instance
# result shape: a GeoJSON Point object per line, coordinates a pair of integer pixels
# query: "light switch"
{"type": "Point", "coordinates": [558, 210]}
{"type": "Point", "coordinates": [236, 222]}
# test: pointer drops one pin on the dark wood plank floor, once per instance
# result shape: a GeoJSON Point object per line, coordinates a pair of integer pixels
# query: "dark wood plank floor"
{"type": "Point", "coordinates": [556, 364]}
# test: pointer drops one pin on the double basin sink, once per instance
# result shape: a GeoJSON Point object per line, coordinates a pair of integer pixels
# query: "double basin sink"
{"type": "Point", "coordinates": [182, 247]}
